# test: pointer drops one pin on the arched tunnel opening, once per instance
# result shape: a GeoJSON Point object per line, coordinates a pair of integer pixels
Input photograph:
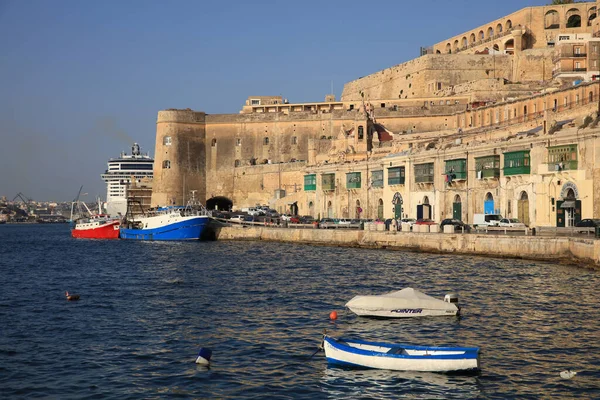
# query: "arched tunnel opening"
{"type": "Point", "coordinates": [220, 203]}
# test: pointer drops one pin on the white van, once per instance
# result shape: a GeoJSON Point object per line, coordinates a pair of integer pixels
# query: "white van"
{"type": "Point", "coordinates": [486, 219]}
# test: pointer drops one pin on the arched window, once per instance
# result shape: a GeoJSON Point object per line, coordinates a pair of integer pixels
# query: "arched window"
{"type": "Point", "coordinates": [490, 32]}
{"type": "Point", "coordinates": [457, 199]}
{"type": "Point", "coordinates": [496, 47]}
{"type": "Point", "coordinates": [329, 210]}
{"type": "Point", "coordinates": [524, 196]}
{"type": "Point", "coordinates": [425, 200]}
{"type": "Point", "coordinates": [167, 140]}
{"type": "Point", "coordinates": [551, 20]}
{"type": "Point", "coordinates": [573, 18]}
{"type": "Point", "coordinates": [358, 209]}
{"type": "Point", "coordinates": [481, 35]}
{"type": "Point", "coordinates": [508, 25]}
{"type": "Point", "coordinates": [591, 15]}
{"type": "Point", "coordinates": [380, 209]}
{"type": "Point", "coordinates": [489, 197]}
{"type": "Point", "coordinates": [472, 38]}
{"type": "Point", "coordinates": [448, 48]}
{"type": "Point", "coordinates": [237, 163]}
{"type": "Point", "coordinates": [498, 29]}
{"type": "Point", "coordinates": [213, 143]}
{"type": "Point", "coordinates": [438, 52]}
{"type": "Point", "coordinates": [456, 45]}
{"type": "Point", "coordinates": [266, 140]}
{"type": "Point", "coordinates": [509, 46]}
{"type": "Point", "coordinates": [464, 42]}
{"type": "Point", "coordinates": [166, 164]}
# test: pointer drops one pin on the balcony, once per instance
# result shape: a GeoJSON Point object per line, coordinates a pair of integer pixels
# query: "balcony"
{"type": "Point", "coordinates": [424, 173]}
{"type": "Point", "coordinates": [488, 167]}
{"type": "Point", "coordinates": [328, 182]}
{"type": "Point", "coordinates": [457, 169]}
{"type": "Point", "coordinates": [396, 176]}
{"type": "Point", "coordinates": [517, 163]}
{"type": "Point", "coordinates": [568, 54]}
{"type": "Point", "coordinates": [567, 70]}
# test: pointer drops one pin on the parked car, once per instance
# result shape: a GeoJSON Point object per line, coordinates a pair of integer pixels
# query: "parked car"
{"type": "Point", "coordinates": [294, 220]}
{"type": "Point", "coordinates": [425, 221]}
{"type": "Point", "coordinates": [327, 223]}
{"type": "Point", "coordinates": [486, 219]}
{"type": "Point", "coordinates": [588, 223]}
{"type": "Point", "coordinates": [344, 221]}
{"type": "Point", "coordinates": [307, 219]}
{"type": "Point", "coordinates": [285, 217]}
{"type": "Point", "coordinates": [511, 223]}
{"type": "Point", "coordinates": [409, 221]}
{"type": "Point", "coordinates": [457, 223]}
{"type": "Point", "coordinates": [255, 211]}
{"type": "Point", "coordinates": [237, 218]}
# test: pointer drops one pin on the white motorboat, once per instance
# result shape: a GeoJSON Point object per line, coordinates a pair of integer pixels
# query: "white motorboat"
{"type": "Point", "coordinates": [403, 303]}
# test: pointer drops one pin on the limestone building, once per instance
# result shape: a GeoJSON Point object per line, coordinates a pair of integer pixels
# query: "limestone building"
{"type": "Point", "coordinates": [501, 118]}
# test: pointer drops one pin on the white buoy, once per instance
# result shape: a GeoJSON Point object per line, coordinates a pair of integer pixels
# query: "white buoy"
{"type": "Point", "coordinates": [204, 356]}
{"type": "Point", "coordinates": [568, 374]}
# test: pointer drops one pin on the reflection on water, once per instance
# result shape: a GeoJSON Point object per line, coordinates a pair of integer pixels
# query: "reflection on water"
{"type": "Point", "coordinates": [379, 384]}
{"type": "Point", "coordinates": [146, 309]}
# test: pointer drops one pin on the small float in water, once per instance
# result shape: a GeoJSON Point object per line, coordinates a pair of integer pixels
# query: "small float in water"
{"type": "Point", "coordinates": [400, 357]}
{"type": "Point", "coordinates": [403, 303]}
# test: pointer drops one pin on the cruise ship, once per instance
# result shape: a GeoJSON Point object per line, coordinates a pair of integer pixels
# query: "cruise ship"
{"type": "Point", "coordinates": [121, 172]}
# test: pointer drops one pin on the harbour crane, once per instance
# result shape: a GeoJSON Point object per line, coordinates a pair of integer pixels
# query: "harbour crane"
{"type": "Point", "coordinates": [24, 198]}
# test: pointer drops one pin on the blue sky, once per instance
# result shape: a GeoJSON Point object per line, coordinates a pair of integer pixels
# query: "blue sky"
{"type": "Point", "coordinates": [81, 80]}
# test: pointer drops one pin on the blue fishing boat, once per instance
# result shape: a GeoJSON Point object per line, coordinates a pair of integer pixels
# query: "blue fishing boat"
{"type": "Point", "coordinates": [166, 223]}
{"type": "Point", "coordinates": [400, 357]}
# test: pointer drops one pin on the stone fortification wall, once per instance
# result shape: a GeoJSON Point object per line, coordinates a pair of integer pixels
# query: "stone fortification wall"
{"type": "Point", "coordinates": [425, 75]}
{"type": "Point", "coordinates": [258, 184]}
{"type": "Point", "coordinates": [533, 65]}
{"type": "Point", "coordinates": [179, 161]}
{"type": "Point", "coordinates": [571, 250]}
{"type": "Point", "coordinates": [236, 141]}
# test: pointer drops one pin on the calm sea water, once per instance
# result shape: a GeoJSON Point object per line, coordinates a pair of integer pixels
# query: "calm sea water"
{"type": "Point", "coordinates": [147, 308]}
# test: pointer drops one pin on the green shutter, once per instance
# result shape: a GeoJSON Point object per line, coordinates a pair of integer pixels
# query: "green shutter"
{"type": "Point", "coordinates": [310, 182]}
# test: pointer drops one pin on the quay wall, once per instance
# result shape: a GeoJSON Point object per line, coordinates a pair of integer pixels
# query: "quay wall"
{"type": "Point", "coordinates": [559, 249]}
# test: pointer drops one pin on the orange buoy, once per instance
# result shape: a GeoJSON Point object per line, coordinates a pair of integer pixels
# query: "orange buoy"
{"type": "Point", "coordinates": [333, 315]}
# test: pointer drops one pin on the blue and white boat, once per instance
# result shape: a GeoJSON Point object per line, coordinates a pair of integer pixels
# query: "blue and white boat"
{"type": "Point", "coordinates": [400, 357]}
{"type": "Point", "coordinates": [166, 223]}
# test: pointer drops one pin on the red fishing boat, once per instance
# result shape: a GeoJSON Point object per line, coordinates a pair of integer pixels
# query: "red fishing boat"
{"type": "Point", "coordinates": [98, 226]}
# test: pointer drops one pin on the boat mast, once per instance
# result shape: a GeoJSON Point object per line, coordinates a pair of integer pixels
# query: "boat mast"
{"type": "Point", "coordinates": [75, 201]}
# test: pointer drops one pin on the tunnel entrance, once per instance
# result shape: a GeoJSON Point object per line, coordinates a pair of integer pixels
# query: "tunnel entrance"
{"type": "Point", "coordinates": [221, 203]}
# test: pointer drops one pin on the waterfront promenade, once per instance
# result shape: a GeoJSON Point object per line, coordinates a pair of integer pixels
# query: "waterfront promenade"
{"type": "Point", "coordinates": [573, 250]}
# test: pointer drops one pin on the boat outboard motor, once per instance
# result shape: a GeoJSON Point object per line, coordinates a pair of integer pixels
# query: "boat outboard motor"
{"type": "Point", "coordinates": [452, 298]}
